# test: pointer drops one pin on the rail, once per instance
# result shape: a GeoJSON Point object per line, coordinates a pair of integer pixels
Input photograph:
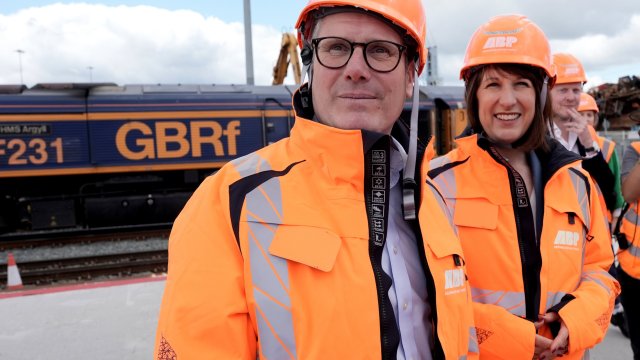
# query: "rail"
{"type": "Point", "coordinates": [86, 268]}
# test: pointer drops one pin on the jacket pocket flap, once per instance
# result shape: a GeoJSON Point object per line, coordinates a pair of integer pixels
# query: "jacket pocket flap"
{"type": "Point", "coordinates": [477, 213]}
{"type": "Point", "coordinates": [442, 249]}
{"type": "Point", "coordinates": [562, 207]}
{"type": "Point", "coordinates": [311, 246]}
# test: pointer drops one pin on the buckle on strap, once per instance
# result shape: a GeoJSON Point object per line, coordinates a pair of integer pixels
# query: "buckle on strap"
{"type": "Point", "coordinates": [408, 198]}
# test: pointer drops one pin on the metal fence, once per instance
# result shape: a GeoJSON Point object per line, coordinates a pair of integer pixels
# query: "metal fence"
{"type": "Point", "coordinates": [621, 138]}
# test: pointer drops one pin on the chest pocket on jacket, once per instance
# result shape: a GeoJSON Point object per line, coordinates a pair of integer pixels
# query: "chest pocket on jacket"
{"type": "Point", "coordinates": [476, 213]}
{"type": "Point", "coordinates": [448, 269]}
{"type": "Point", "coordinates": [568, 218]}
{"type": "Point", "coordinates": [442, 249]}
{"type": "Point", "coordinates": [311, 246]}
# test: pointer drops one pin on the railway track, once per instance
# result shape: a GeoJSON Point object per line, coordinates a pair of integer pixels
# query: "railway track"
{"type": "Point", "coordinates": [29, 240]}
{"type": "Point", "coordinates": [85, 255]}
{"type": "Point", "coordinates": [87, 268]}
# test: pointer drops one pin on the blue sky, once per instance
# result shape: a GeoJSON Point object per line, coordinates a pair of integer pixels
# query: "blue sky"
{"type": "Point", "coordinates": [280, 14]}
{"type": "Point", "coordinates": [123, 43]}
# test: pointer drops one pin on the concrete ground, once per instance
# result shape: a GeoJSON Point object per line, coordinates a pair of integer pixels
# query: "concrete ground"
{"type": "Point", "coordinates": [118, 322]}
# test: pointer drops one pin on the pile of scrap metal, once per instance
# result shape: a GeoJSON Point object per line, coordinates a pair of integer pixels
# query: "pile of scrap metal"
{"type": "Point", "coordinates": [619, 103]}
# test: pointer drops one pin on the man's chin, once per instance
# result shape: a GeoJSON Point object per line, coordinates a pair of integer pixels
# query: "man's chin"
{"type": "Point", "coordinates": [562, 117]}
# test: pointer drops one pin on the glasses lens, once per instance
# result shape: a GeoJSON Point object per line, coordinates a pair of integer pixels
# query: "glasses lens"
{"type": "Point", "coordinates": [382, 55]}
{"type": "Point", "coordinates": [333, 52]}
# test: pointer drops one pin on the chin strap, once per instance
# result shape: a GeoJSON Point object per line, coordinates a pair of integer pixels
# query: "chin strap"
{"type": "Point", "coordinates": [543, 93]}
{"type": "Point", "coordinates": [409, 184]}
{"type": "Point", "coordinates": [305, 92]}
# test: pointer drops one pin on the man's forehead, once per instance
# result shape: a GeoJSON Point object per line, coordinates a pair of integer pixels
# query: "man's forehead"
{"type": "Point", "coordinates": [570, 86]}
{"type": "Point", "coordinates": [357, 15]}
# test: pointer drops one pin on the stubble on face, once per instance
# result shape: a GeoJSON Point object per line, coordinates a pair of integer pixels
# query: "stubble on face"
{"type": "Point", "coordinates": [565, 98]}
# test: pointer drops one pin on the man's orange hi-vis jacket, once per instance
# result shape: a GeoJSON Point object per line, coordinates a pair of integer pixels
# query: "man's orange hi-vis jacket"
{"type": "Point", "coordinates": [519, 268]}
{"type": "Point", "coordinates": [276, 257]}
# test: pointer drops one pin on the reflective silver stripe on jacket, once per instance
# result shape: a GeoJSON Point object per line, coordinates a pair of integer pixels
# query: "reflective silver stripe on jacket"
{"type": "Point", "coordinates": [270, 274]}
{"type": "Point", "coordinates": [512, 301]}
{"type": "Point", "coordinates": [443, 206]}
{"type": "Point", "coordinates": [606, 145]}
{"type": "Point", "coordinates": [580, 186]}
{"type": "Point", "coordinates": [446, 182]}
{"type": "Point", "coordinates": [588, 276]}
{"type": "Point", "coordinates": [632, 217]}
{"type": "Point", "coordinates": [473, 341]}
{"type": "Point", "coordinates": [554, 298]}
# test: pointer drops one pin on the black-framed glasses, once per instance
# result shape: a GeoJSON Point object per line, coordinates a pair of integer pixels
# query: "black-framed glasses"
{"type": "Point", "coordinates": [334, 52]}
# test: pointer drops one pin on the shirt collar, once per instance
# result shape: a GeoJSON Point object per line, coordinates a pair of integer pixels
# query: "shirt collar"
{"type": "Point", "coordinates": [570, 143]}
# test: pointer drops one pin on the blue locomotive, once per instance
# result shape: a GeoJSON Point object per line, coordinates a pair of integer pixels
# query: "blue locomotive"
{"type": "Point", "coordinates": [99, 155]}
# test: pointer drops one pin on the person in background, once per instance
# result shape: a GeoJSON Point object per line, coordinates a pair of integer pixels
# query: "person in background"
{"type": "Point", "coordinates": [588, 108]}
{"type": "Point", "coordinates": [300, 250]}
{"type": "Point", "coordinates": [535, 239]}
{"type": "Point", "coordinates": [570, 128]}
{"type": "Point", "coordinates": [628, 270]}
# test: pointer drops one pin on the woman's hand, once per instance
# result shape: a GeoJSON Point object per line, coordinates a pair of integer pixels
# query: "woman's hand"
{"type": "Point", "coordinates": [560, 344]}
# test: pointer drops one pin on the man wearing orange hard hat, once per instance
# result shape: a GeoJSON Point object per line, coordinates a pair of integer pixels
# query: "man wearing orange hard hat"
{"type": "Point", "coordinates": [310, 248]}
{"type": "Point", "coordinates": [570, 128]}
{"type": "Point", "coordinates": [589, 110]}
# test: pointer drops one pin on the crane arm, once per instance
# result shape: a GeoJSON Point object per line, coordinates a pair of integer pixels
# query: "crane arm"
{"type": "Point", "coordinates": [288, 55]}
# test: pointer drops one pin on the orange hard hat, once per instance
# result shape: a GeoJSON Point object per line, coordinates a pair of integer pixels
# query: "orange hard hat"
{"type": "Point", "coordinates": [406, 14]}
{"type": "Point", "coordinates": [569, 69]}
{"type": "Point", "coordinates": [587, 102]}
{"type": "Point", "coordinates": [508, 39]}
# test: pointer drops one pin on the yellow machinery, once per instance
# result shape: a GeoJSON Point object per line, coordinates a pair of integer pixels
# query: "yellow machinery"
{"type": "Point", "coordinates": [288, 55]}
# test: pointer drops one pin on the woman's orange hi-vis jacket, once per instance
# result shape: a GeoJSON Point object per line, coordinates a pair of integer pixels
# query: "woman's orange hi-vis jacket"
{"type": "Point", "coordinates": [277, 256]}
{"type": "Point", "coordinates": [518, 268]}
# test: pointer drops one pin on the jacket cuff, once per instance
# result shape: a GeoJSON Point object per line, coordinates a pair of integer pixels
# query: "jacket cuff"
{"type": "Point", "coordinates": [564, 301]}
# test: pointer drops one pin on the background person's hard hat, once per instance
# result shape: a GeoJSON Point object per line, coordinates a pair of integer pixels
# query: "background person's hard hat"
{"type": "Point", "coordinates": [587, 102]}
{"type": "Point", "coordinates": [569, 69]}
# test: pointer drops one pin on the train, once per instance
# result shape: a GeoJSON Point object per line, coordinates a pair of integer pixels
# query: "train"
{"type": "Point", "coordinates": [85, 156]}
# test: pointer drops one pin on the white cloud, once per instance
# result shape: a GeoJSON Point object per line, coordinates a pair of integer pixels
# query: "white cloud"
{"type": "Point", "coordinates": [145, 44]}
{"type": "Point", "coordinates": [125, 45]}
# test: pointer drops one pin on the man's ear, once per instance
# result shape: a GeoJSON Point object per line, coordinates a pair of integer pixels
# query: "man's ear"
{"type": "Point", "coordinates": [411, 73]}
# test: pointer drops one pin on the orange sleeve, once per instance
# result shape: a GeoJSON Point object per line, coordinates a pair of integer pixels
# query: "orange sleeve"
{"type": "Point", "coordinates": [204, 313]}
{"type": "Point", "coordinates": [502, 335]}
{"type": "Point", "coordinates": [587, 316]}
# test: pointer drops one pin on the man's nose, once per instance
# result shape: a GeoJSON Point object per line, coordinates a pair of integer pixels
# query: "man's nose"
{"type": "Point", "coordinates": [357, 68]}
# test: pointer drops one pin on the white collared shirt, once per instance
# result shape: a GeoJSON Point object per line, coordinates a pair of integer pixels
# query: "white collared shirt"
{"type": "Point", "coordinates": [571, 143]}
{"type": "Point", "coordinates": [401, 261]}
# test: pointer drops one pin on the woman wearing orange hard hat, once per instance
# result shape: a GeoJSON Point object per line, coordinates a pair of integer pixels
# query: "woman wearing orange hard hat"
{"type": "Point", "coordinates": [529, 217]}
{"type": "Point", "coordinates": [303, 249]}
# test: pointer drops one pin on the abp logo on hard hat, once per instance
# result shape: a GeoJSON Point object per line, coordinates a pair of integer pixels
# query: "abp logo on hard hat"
{"type": "Point", "coordinates": [494, 42]}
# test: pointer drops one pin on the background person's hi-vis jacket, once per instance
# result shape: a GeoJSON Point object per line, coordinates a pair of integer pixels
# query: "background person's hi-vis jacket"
{"type": "Point", "coordinates": [518, 270]}
{"type": "Point", "coordinates": [629, 258]}
{"type": "Point", "coordinates": [608, 151]}
{"type": "Point", "coordinates": [278, 255]}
